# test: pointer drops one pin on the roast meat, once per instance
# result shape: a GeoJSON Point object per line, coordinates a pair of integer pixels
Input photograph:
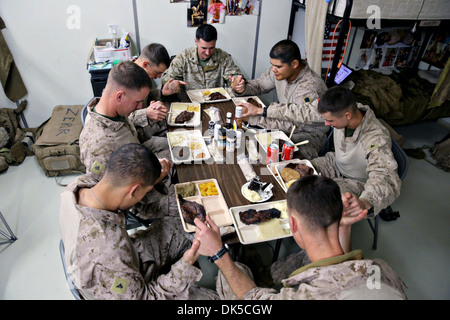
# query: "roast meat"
{"type": "Point", "coordinates": [184, 116]}
{"type": "Point", "coordinates": [252, 216]}
{"type": "Point", "coordinates": [191, 210]}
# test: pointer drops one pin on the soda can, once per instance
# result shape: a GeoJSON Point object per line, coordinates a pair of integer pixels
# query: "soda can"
{"type": "Point", "coordinates": [288, 151]}
{"type": "Point", "coordinates": [272, 153]}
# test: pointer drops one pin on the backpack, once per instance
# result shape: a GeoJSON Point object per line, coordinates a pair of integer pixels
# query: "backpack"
{"type": "Point", "coordinates": [56, 149]}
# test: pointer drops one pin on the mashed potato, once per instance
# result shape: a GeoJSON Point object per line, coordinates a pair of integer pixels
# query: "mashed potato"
{"type": "Point", "coordinates": [251, 195]}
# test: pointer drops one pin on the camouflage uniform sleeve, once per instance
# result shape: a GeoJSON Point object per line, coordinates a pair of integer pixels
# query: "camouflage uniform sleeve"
{"type": "Point", "coordinates": [139, 118]}
{"type": "Point", "coordinates": [229, 67]}
{"type": "Point", "coordinates": [383, 185]}
{"type": "Point", "coordinates": [175, 70]}
{"type": "Point", "coordinates": [259, 86]}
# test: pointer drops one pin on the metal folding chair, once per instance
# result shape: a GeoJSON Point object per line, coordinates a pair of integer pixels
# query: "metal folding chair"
{"type": "Point", "coordinates": [10, 237]}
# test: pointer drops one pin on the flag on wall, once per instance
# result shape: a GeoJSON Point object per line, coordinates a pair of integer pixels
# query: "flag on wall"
{"type": "Point", "coordinates": [330, 41]}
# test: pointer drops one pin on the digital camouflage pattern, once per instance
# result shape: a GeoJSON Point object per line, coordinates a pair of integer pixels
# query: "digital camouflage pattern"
{"type": "Point", "coordinates": [105, 263]}
{"type": "Point", "coordinates": [101, 136]}
{"type": "Point", "coordinates": [185, 67]}
{"type": "Point", "coordinates": [373, 146]}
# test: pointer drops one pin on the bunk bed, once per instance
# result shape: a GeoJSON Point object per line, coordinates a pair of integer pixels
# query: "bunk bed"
{"type": "Point", "coordinates": [403, 96]}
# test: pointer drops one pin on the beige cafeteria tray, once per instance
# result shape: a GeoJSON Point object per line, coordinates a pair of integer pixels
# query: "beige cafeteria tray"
{"type": "Point", "coordinates": [265, 231]}
{"type": "Point", "coordinates": [178, 107]}
{"type": "Point", "coordinates": [193, 144]}
{"type": "Point", "coordinates": [276, 167]}
{"type": "Point", "coordinates": [201, 95]}
{"type": "Point", "coordinates": [215, 205]}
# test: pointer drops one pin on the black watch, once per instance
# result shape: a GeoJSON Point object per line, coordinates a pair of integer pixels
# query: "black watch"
{"type": "Point", "coordinates": [264, 114]}
{"type": "Point", "coordinates": [219, 253]}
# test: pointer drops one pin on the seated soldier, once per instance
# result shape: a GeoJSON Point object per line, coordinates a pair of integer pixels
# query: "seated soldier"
{"type": "Point", "coordinates": [109, 126]}
{"type": "Point", "coordinates": [320, 225]}
{"type": "Point", "coordinates": [297, 88]}
{"type": "Point", "coordinates": [102, 260]}
{"type": "Point", "coordinates": [362, 162]}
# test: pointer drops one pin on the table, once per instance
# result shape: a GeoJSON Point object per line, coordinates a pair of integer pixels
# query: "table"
{"type": "Point", "coordinates": [228, 175]}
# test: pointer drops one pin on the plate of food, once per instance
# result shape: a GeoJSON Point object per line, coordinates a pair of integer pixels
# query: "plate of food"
{"type": "Point", "coordinates": [184, 114]}
{"type": "Point", "coordinates": [266, 138]}
{"type": "Point", "coordinates": [255, 100]}
{"type": "Point", "coordinates": [261, 222]}
{"type": "Point", "coordinates": [187, 146]}
{"type": "Point", "coordinates": [287, 172]}
{"type": "Point", "coordinates": [208, 95]}
{"type": "Point", "coordinates": [256, 191]}
{"type": "Point", "coordinates": [201, 198]}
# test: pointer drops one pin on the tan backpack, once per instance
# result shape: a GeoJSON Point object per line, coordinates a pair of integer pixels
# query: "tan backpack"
{"type": "Point", "coordinates": [56, 149]}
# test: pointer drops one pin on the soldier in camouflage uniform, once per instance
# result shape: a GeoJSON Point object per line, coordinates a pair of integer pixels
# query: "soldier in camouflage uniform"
{"type": "Point", "coordinates": [112, 122]}
{"type": "Point", "coordinates": [297, 88]}
{"type": "Point", "coordinates": [102, 260]}
{"type": "Point", "coordinates": [321, 226]}
{"type": "Point", "coordinates": [362, 163]}
{"type": "Point", "coordinates": [154, 59]}
{"type": "Point", "coordinates": [200, 67]}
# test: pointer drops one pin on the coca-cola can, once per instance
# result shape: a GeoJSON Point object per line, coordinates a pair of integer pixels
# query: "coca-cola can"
{"type": "Point", "coordinates": [272, 153]}
{"type": "Point", "coordinates": [288, 151]}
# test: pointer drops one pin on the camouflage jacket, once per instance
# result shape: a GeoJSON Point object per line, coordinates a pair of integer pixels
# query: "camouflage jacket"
{"type": "Point", "coordinates": [297, 101]}
{"type": "Point", "coordinates": [185, 67]}
{"type": "Point", "coordinates": [101, 136]}
{"type": "Point", "coordinates": [374, 164]}
{"type": "Point", "coordinates": [102, 261]}
{"type": "Point", "coordinates": [343, 277]}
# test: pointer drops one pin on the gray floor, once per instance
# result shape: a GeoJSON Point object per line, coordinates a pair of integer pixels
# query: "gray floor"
{"type": "Point", "coordinates": [416, 245]}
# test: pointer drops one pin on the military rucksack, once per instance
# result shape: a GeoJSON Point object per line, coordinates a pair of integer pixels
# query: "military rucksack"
{"type": "Point", "coordinates": [56, 149]}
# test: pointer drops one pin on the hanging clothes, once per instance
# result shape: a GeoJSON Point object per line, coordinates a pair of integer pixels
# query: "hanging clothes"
{"type": "Point", "coordinates": [10, 77]}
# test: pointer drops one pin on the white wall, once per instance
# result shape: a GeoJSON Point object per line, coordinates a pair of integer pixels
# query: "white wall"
{"type": "Point", "coordinates": [52, 58]}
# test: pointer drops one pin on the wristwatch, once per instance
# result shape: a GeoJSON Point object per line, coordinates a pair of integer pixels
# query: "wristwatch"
{"type": "Point", "coordinates": [264, 114]}
{"type": "Point", "coordinates": [219, 253]}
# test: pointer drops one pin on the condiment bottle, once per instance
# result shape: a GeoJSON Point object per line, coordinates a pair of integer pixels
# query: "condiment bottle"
{"type": "Point", "coordinates": [231, 140]}
{"type": "Point", "coordinates": [238, 118]}
{"type": "Point", "coordinates": [228, 123]}
{"type": "Point", "coordinates": [221, 143]}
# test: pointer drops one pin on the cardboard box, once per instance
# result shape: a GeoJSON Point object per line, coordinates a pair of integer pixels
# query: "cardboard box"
{"type": "Point", "coordinates": [100, 52]}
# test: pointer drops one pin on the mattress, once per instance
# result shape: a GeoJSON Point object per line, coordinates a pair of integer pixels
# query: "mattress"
{"type": "Point", "coordinates": [401, 10]}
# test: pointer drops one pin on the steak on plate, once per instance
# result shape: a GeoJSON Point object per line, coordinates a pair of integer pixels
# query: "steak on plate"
{"type": "Point", "coordinates": [252, 216]}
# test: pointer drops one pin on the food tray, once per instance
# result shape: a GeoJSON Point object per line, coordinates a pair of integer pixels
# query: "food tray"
{"type": "Point", "coordinates": [249, 234]}
{"type": "Point", "coordinates": [237, 100]}
{"type": "Point", "coordinates": [199, 96]}
{"type": "Point", "coordinates": [276, 167]}
{"type": "Point", "coordinates": [215, 205]}
{"type": "Point", "coordinates": [192, 143]}
{"type": "Point", "coordinates": [178, 107]}
{"type": "Point", "coordinates": [265, 138]}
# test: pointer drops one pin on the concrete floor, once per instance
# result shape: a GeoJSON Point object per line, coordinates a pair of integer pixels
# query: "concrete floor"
{"type": "Point", "coordinates": [416, 245]}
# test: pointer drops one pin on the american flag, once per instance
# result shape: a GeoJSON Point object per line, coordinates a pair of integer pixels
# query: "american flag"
{"type": "Point", "coordinates": [329, 43]}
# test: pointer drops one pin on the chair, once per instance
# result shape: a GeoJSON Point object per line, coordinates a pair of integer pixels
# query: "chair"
{"type": "Point", "coordinates": [70, 284]}
{"type": "Point", "coordinates": [403, 164]}
{"type": "Point", "coordinates": [84, 111]}
{"type": "Point", "coordinates": [10, 238]}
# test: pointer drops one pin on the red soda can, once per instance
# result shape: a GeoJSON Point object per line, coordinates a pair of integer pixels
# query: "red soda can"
{"type": "Point", "coordinates": [288, 151]}
{"type": "Point", "coordinates": [272, 153]}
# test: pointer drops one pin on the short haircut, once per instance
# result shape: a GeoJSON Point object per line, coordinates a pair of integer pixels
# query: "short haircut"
{"type": "Point", "coordinates": [156, 53]}
{"type": "Point", "coordinates": [132, 163]}
{"type": "Point", "coordinates": [337, 100]}
{"type": "Point", "coordinates": [286, 51]}
{"type": "Point", "coordinates": [129, 75]}
{"type": "Point", "coordinates": [206, 32]}
{"type": "Point", "coordinates": [317, 199]}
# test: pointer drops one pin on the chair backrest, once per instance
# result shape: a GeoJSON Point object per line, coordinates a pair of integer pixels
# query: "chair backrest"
{"type": "Point", "coordinates": [70, 284]}
{"type": "Point", "coordinates": [84, 111]}
{"type": "Point", "coordinates": [401, 158]}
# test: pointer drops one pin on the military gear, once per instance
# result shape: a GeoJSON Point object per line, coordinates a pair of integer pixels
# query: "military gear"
{"type": "Point", "coordinates": [56, 149]}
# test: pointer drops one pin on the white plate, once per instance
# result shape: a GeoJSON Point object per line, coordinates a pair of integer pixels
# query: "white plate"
{"type": "Point", "coordinates": [249, 234]}
{"type": "Point", "coordinates": [264, 137]}
{"type": "Point", "coordinates": [275, 169]}
{"type": "Point", "coordinates": [265, 198]}
{"type": "Point", "coordinates": [197, 96]}
{"type": "Point", "coordinates": [177, 107]}
{"type": "Point", "coordinates": [184, 138]}
{"type": "Point", "coordinates": [237, 100]}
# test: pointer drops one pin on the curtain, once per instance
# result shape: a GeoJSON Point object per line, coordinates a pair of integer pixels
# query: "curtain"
{"type": "Point", "coordinates": [315, 17]}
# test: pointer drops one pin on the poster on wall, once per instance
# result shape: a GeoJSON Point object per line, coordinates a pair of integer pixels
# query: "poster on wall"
{"type": "Point", "coordinates": [233, 7]}
{"type": "Point", "coordinates": [437, 51]}
{"type": "Point", "coordinates": [216, 11]}
{"type": "Point", "coordinates": [387, 48]}
{"type": "Point", "coordinates": [250, 7]}
{"type": "Point", "coordinates": [196, 13]}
